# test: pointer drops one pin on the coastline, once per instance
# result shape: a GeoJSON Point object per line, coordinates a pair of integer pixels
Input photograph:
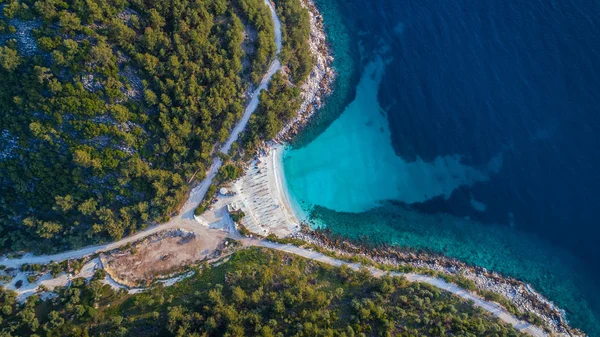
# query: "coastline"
{"type": "Point", "coordinates": [314, 89]}
{"type": "Point", "coordinates": [284, 193]}
{"type": "Point", "coordinates": [318, 83]}
{"type": "Point", "coordinates": [520, 294]}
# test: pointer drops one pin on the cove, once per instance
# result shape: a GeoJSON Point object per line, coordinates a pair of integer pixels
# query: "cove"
{"type": "Point", "coordinates": [352, 167]}
{"type": "Point", "coordinates": [350, 180]}
{"type": "Point", "coordinates": [464, 129]}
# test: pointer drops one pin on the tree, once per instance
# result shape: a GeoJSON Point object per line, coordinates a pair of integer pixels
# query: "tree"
{"type": "Point", "coordinates": [9, 60]}
{"type": "Point", "coordinates": [238, 295]}
{"type": "Point", "coordinates": [65, 203]}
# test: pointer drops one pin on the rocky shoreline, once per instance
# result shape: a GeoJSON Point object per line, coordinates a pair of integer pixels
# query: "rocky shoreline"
{"type": "Point", "coordinates": [318, 83]}
{"type": "Point", "coordinates": [518, 293]}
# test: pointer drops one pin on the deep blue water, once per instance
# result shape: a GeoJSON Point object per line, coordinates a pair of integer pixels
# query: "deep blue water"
{"type": "Point", "coordinates": [464, 85]}
{"type": "Point", "coordinates": [518, 77]}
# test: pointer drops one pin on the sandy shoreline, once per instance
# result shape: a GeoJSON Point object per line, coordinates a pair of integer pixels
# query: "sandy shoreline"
{"type": "Point", "coordinates": [522, 295]}
{"type": "Point", "coordinates": [261, 193]}
{"type": "Point", "coordinates": [313, 90]}
{"type": "Point", "coordinates": [284, 193]}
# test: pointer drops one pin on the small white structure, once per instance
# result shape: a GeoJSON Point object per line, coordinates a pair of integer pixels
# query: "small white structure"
{"type": "Point", "coordinates": [233, 207]}
{"type": "Point", "coordinates": [223, 191]}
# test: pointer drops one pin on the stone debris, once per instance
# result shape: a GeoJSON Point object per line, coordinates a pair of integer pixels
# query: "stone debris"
{"type": "Point", "coordinates": [122, 57]}
{"type": "Point", "coordinates": [90, 83]}
{"type": "Point", "coordinates": [135, 86]}
{"type": "Point", "coordinates": [99, 142]}
{"type": "Point", "coordinates": [125, 149]}
{"type": "Point", "coordinates": [126, 15]}
{"type": "Point", "coordinates": [103, 119]}
{"type": "Point", "coordinates": [26, 43]}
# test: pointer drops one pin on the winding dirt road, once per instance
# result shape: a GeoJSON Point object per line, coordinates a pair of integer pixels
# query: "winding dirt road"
{"type": "Point", "coordinates": [186, 215]}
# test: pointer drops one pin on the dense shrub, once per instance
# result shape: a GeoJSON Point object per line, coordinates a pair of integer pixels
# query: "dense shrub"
{"type": "Point", "coordinates": [112, 108]}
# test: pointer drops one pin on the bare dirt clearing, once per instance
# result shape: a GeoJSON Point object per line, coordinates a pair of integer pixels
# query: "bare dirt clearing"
{"type": "Point", "coordinates": [160, 255]}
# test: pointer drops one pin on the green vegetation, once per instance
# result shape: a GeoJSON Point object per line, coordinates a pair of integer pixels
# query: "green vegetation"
{"type": "Point", "coordinates": [277, 106]}
{"type": "Point", "coordinates": [295, 51]}
{"type": "Point", "coordinates": [260, 17]}
{"type": "Point", "coordinates": [111, 108]}
{"type": "Point", "coordinates": [245, 232]}
{"type": "Point", "coordinates": [237, 216]}
{"type": "Point", "coordinates": [227, 173]}
{"type": "Point", "coordinates": [288, 241]}
{"type": "Point", "coordinates": [54, 268]}
{"type": "Point", "coordinates": [459, 280]}
{"type": "Point", "coordinates": [282, 100]}
{"type": "Point", "coordinates": [256, 293]}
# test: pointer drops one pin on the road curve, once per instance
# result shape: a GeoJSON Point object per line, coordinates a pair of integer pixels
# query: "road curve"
{"type": "Point", "coordinates": [491, 307]}
{"type": "Point", "coordinates": [264, 83]}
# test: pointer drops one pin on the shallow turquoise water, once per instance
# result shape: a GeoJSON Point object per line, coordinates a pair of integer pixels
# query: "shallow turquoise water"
{"type": "Point", "coordinates": [352, 167]}
{"type": "Point", "coordinates": [346, 172]}
{"type": "Point", "coordinates": [346, 177]}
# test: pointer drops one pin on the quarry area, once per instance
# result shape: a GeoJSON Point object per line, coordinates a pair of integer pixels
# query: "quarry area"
{"type": "Point", "coordinates": [161, 255]}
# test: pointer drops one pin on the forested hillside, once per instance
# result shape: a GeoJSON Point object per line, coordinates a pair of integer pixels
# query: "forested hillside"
{"type": "Point", "coordinates": [282, 100]}
{"type": "Point", "coordinates": [109, 108]}
{"type": "Point", "coordinates": [257, 292]}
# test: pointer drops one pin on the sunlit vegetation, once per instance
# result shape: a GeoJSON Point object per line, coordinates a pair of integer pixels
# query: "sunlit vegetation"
{"type": "Point", "coordinates": [295, 53]}
{"type": "Point", "coordinates": [256, 293]}
{"type": "Point", "coordinates": [264, 45]}
{"type": "Point", "coordinates": [111, 109]}
{"type": "Point", "coordinates": [277, 106]}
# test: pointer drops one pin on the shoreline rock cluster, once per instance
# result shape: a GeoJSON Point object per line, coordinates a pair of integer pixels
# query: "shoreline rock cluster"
{"type": "Point", "coordinates": [519, 293]}
{"type": "Point", "coordinates": [318, 83]}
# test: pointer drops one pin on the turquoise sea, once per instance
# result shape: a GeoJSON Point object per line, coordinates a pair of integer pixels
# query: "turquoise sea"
{"type": "Point", "coordinates": [465, 128]}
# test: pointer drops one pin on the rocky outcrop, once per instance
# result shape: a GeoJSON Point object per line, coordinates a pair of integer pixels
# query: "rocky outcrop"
{"type": "Point", "coordinates": [318, 83]}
